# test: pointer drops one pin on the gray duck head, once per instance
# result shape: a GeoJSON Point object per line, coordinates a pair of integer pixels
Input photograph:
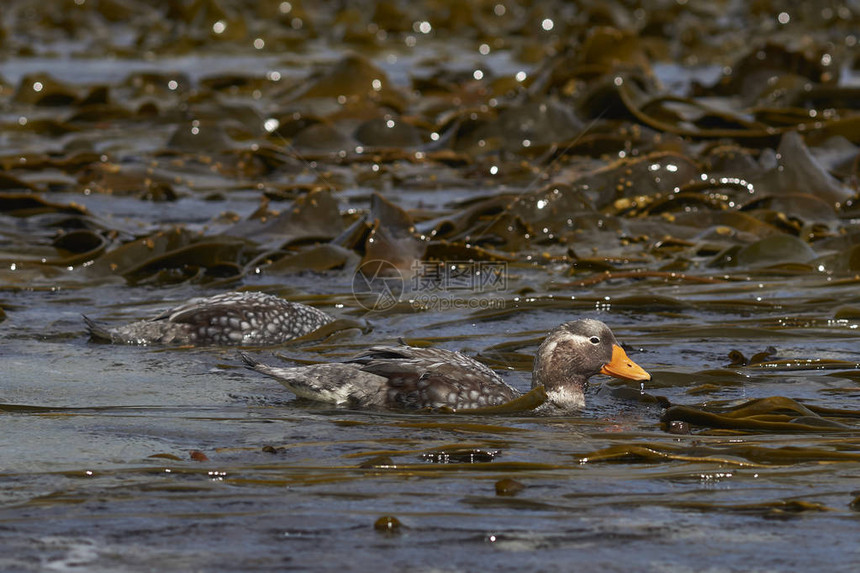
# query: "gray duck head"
{"type": "Point", "coordinates": [575, 351]}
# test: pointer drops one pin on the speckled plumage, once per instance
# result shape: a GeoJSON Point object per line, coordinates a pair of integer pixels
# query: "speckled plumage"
{"type": "Point", "coordinates": [229, 319]}
{"type": "Point", "coordinates": [400, 377]}
{"type": "Point", "coordinates": [405, 377]}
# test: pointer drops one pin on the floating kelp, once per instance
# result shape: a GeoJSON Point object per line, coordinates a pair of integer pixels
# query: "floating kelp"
{"type": "Point", "coordinates": [509, 487]}
{"type": "Point", "coordinates": [388, 524]}
{"type": "Point", "coordinates": [79, 246]}
{"type": "Point", "coordinates": [314, 216]}
{"type": "Point", "coordinates": [798, 171]}
{"type": "Point", "coordinates": [318, 258]}
{"type": "Point", "coordinates": [772, 509]}
{"type": "Point", "coordinates": [525, 128]}
{"type": "Point", "coordinates": [391, 240]}
{"type": "Point", "coordinates": [774, 250]}
{"type": "Point", "coordinates": [738, 359]}
{"type": "Point", "coordinates": [9, 182]}
{"type": "Point", "coordinates": [750, 74]}
{"type": "Point", "coordinates": [528, 401]}
{"type": "Point", "coordinates": [212, 258]}
{"type": "Point", "coordinates": [737, 454]}
{"type": "Point", "coordinates": [460, 456]}
{"type": "Point", "coordinates": [124, 258]}
{"type": "Point", "coordinates": [28, 205]}
{"type": "Point", "coordinates": [388, 132]}
{"type": "Point", "coordinates": [776, 414]}
{"type": "Point", "coordinates": [44, 90]}
{"type": "Point", "coordinates": [353, 78]}
{"type": "Point", "coordinates": [684, 172]}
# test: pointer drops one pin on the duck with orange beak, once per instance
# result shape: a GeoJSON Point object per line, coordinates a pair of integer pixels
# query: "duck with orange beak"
{"type": "Point", "coordinates": [406, 377]}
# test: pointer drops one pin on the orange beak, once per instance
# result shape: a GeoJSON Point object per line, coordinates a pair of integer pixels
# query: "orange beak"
{"type": "Point", "coordinates": [622, 367]}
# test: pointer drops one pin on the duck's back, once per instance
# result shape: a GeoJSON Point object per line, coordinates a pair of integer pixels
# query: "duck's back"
{"type": "Point", "coordinates": [434, 378]}
{"type": "Point", "coordinates": [247, 318]}
{"type": "Point", "coordinates": [398, 377]}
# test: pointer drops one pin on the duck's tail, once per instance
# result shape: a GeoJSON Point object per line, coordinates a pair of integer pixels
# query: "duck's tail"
{"type": "Point", "coordinates": [335, 383]}
{"type": "Point", "coordinates": [96, 331]}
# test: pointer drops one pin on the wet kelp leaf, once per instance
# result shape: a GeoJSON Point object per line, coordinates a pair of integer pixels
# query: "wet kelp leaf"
{"type": "Point", "coordinates": [658, 112]}
{"type": "Point", "coordinates": [751, 74]}
{"type": "Point", "coordinates": [124, 258]}
{"type": "Point", "coordinates": [806, 209]}
{"type": "Point", "coordinates": [461, 456]}
{"type": "Point", "coordinates": [657, 454]}
{"type": "Point", "coordinates": [317, 258]}
{"type": "Point", "coordinates": [136, 180]}
{"type": "Point", "coordinates": [216, 257]}
{"type": "Point", "coordinates": [10, 182]}
{"type": "Point", "coordinates": [608, 49]}
{"type": "Point", "coordinates": [172, 457]}
{"type": "Point", "coordinates": [392, 240]}
{"type": "Point", "coordinates": [508, 487]}
{"type": "Point", "coordinates": [200, 137]}
{"type": "Point", "coordinates": [528, 128]}
{"type": "Point", "coordinates": [652, 174]}
{"type": "Point", "coordinates": [388, 524]}
{"type": "Point", "coordinates": [775, 250]}
{"type": "Point", "coordinates": [528, 401]}
{"type": "Point", "coordinates": [547, 209]}
{"type": "Point", "coordinates": [28, 205]}
{"type": "Point", "coordinates": [798, 171]}
{"type": "Point", "coordinates": [732, 453]}
{"type": "Point", "coordinates": [485, 221]}
{"type": "Point", "coordinates": [771, 509]}
{"type": "Point", "coordinates": [457, 251]}
{"type": "Point", "coordinates": [738, 359]}
{"type": "Point", "coordinates": [44, 90]}
{"type": "Point", "coordinates": [323, 138]}
{"type": "Point", "coordinates": [380, 461]}
{"type": "Point", "coordinates": [382, 132]}
{"type": "Point", "coordinates": [796, 364]}
{"type": "Point", "coordinates": [775, 414]}
{"type": "Point", "coordinates": [693, 118]}
{"type": "Point", "coordinates": [715, 377]}
{"type": "Point", "coordinates": [353, 77]}
{"type": "Point", "coordinates": [79, 246]}
{"type": "Point", "coordinates": [207, 20]}
{"type": "Point", "coordinates": [847, 311]}
{"type": "Point", "coordinates": [312, 217]}
{"type": "Point", "coordinates": [844, 261]}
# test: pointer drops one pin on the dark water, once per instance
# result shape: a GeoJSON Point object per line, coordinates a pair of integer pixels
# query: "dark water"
{"type": "Point", "coordinates": [177, 459]}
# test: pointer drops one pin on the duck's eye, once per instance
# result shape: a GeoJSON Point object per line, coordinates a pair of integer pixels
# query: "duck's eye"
{"type": "Point", "coordinates": [594, 340]}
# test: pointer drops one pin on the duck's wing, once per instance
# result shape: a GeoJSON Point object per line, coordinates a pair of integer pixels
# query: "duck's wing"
{"type": "Point", "coordinates": [255, 305]}
{"type": "Point", "coordinates": [245, 318]}
{"type": "Point", "coordinates": [434, 378]}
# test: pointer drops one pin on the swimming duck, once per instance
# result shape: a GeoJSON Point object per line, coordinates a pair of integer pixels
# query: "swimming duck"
{"type": "Point", "coordinates": [233, 318]}
{"type": "Point", "coordinates": [406, 377]}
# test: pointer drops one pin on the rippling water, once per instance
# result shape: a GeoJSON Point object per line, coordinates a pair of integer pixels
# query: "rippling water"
{"type": "Point", "coordinates": [82, 488]}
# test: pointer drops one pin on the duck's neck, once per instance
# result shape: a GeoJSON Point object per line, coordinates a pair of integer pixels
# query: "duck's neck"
{"type": "Point", "coordinates": [555, 371]}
